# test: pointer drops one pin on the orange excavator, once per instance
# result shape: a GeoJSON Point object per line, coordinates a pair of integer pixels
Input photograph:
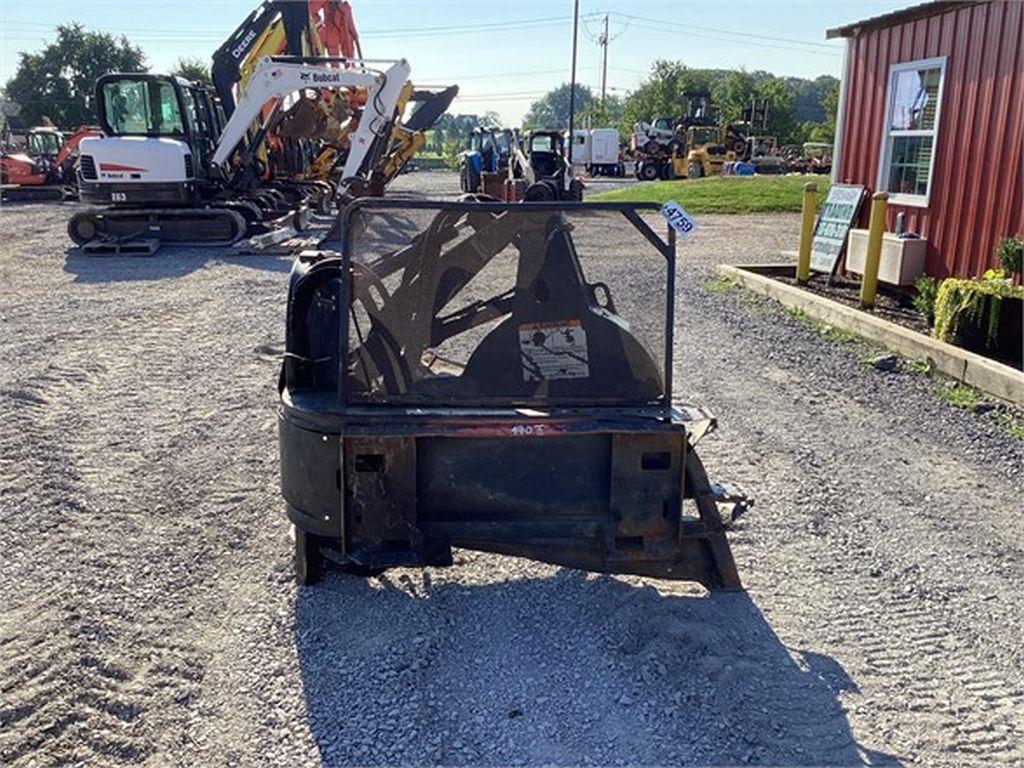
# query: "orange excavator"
{"type": "Point", "coordinates": [46, 169]}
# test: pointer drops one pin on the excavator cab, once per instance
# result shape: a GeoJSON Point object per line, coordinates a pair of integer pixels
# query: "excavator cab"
{"type": "Point", "coordinates": [142, 104]}
{"type": "Point", "coordinates": [495, 376]}
{"type": "Point", "coordinates": [44, 143]}
{"type": "Point", "coordinates": [122, 168]}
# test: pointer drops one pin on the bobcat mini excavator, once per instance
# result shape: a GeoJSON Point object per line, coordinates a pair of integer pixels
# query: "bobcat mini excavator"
{"type": "Point", "coordinates": [307, 142]}
{"type": "Point", "coordinates": [166, 169]}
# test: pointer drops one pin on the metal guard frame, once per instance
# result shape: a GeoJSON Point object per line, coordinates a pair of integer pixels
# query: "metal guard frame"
{"type": "Point", "coordinates": [631, 211]}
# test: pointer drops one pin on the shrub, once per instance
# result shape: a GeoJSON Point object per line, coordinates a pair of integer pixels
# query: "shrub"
{"type": "Point", "coordinates": [1010, 253]}
{"type": "Point", "coordinates": [979, 300]}
{"type": "Point", "coordinates": [924, 299]}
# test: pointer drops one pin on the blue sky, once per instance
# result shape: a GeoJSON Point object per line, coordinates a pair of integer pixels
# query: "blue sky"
{"type": "Point", "coordinates": [503, 55]}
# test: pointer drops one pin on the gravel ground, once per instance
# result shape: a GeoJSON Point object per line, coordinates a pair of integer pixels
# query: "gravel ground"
{"type": "Point", "coordinates": [149, 614]}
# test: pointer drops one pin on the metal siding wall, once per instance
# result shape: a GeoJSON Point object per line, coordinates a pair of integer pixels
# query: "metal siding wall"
{"type": "Point", "coordinates": [977, 194]}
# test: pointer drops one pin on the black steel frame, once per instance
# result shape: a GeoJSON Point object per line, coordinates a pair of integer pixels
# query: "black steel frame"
{"type": "Point", "coordinates": [630, 211]}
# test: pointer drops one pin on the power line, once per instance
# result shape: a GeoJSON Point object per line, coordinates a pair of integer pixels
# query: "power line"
{"type": "Point", "coordinates": [481, 27]}
{"type": "Point", "coordinates": [741, 42]}
{"type": "Point", "coordinates": [688, 27]}
{"type": "Point", "coordinates": [500, 75]}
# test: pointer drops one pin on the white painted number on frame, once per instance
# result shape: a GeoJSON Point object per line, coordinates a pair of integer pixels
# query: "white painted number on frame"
{"type": "Point", "coordinates": [679, 219]}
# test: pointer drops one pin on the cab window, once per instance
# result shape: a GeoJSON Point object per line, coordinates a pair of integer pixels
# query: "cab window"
{"type": "Point", "coordinates": [47, 143]}
{"type": "Point", "coordinates": [142, 106]}
{"type": "Point", "coordinates": [542, 144]}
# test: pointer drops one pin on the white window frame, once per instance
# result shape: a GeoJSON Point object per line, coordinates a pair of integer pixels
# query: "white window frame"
{"type": "Point", "coordinates": [885, 151]}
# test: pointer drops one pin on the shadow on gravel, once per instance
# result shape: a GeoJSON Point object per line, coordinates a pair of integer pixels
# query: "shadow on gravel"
{"type": "Point", "coordinates": [166, 263]}
{"type": "Point", "coordinates": [566, 670]}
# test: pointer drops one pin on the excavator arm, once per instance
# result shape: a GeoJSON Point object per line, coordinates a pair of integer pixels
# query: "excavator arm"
{"type": "Point", "coordinates": [275, 78]}
{"type": "Point", "coordinates": [70, 146]}
{"type": "Point", "coordinates": [282, 28]}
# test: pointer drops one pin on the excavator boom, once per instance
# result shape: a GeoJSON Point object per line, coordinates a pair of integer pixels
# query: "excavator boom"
{"type": "Point", "coordinates": [278, 77]}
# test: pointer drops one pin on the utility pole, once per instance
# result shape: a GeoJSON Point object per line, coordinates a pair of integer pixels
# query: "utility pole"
{"type": "Point", "coordinates": [603, 42]}
{"type": "Point", "coordinates": [572, 85]}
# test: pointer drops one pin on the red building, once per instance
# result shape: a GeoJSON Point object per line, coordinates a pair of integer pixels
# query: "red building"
{"type": "Point", "coordinates": [931, 110]}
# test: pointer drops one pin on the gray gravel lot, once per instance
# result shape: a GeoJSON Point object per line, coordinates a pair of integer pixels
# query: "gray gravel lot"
{"type": "Point", "coordinates": [149, 613]}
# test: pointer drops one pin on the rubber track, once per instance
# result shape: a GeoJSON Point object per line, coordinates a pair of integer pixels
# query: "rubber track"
{"type": "Point", "coordinates": [156, 222]}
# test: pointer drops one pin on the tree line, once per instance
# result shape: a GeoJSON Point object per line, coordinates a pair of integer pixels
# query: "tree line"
{"type": "Point", "coordinates": [56, 84]}
{"type": "Point", "coordinates": [801, 110]}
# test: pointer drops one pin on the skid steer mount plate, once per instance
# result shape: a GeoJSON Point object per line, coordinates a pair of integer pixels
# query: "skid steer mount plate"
{"type": "Point", "coordinates": [495, 377]}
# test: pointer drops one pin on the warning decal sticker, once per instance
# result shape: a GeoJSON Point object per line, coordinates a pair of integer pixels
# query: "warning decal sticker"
{"type": "Point", "coordinates": [556, 350]}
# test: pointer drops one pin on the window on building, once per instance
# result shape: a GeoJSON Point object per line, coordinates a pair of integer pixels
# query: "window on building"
{"type": "Point", "coordinates": [911, 127]}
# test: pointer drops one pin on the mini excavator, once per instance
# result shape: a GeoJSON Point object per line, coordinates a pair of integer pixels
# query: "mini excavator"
{"type": "Point", "coordinates": [167, 168]}
{"type": "Point", "coordinates": [46, 170]}
{"type": "Point", "coordinates": [293, 123]}
{"type": "Point", "coordinates": [308, 140]}
{"type": "Point", "coordinates": [452, 378]}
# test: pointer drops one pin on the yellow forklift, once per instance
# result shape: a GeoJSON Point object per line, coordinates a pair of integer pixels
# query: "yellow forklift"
{"type": "Point", "coordinates": [704, 153]}
{"type": "Point", "coordinates": [701, 151]}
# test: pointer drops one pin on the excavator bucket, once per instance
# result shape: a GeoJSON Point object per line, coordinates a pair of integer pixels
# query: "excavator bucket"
{"type": "Point", "coordinates": [430, 105]}
{"type": "Point", "coordinates": [496, 377]}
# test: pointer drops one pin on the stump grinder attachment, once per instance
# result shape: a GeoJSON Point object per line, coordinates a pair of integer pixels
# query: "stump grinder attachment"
{"type": "Point", "coordinates": [495, 377]}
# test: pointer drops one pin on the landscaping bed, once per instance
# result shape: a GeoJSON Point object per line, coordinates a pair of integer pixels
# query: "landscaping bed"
{"type": "Point", "coordinates": [990, 376]}
{"type": "Point", "coordinates": [890, 303]}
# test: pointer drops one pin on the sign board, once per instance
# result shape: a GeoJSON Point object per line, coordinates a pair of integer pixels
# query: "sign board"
{"type": "Point", "coordinates": [678, 219]}
{"type": "Point", "coordinates": [834, 220]}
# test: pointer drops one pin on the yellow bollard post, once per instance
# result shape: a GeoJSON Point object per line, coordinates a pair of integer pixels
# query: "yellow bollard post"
{"type": "Point", "coordinates": [876, 227]}
{"type": "Point", "coordinates": [803, 261]}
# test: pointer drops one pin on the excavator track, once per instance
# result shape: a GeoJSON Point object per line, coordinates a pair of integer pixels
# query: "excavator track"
{"type": "Point", "coordinates": [19, 193]}
{"type": "Point", "coordinates": [215, 226]}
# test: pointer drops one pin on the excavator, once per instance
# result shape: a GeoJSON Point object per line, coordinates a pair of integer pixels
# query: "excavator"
{"type": "Point", "coordinates": [307, 142]}
{"type": "Point", "coordinates": [280, 28]}
{"type": "Point", "coordinates": [323, 28]}
{"type": "Point", "coordinates": [46, 170]}
{"type": "Point", "coordinates": [166, 170]}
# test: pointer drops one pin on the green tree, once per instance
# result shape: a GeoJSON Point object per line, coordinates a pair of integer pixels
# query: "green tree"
{"type": "Point", "coordinates": [193, 68]}
{"type": "Point", "coordinates": [733, 93]}
{"type": "Point", "coordinates": [59, 81]}
{"type": "Point", "coordinates": [661, 93]}
{"type": "Point", "coordinates": [606, 114]}
{"type": "Point", "coordinates": [552, 110]}
{"type": "Point", "coordinates": [830, 104]}
{"type": "Point", "coordinates": [781, 123]}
